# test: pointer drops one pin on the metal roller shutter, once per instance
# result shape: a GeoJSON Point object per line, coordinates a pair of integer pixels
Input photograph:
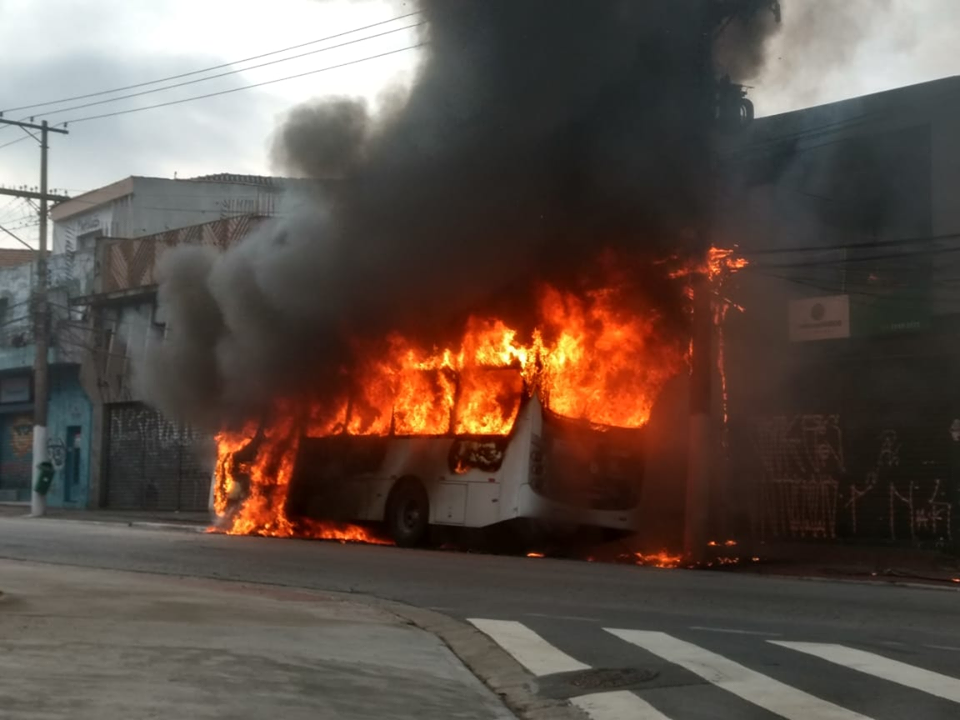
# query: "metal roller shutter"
{"type": "Point", "coordinates": [857, 449]}
{"type": "Point", "coordinates": [153, 463]}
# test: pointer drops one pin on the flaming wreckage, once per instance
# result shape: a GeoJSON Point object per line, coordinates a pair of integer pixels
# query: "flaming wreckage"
{"type": "Point", "coordinates": [547, 434]}
{"type": "Point", "coordinates": [511, 196]}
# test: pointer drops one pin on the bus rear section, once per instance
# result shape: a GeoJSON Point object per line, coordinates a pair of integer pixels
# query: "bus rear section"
{"type": "Point", "coordinates": [583, 476]}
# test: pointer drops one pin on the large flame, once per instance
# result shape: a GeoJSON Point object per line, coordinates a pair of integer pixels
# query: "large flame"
{"type": "Point", "coordinates": [589, 357]}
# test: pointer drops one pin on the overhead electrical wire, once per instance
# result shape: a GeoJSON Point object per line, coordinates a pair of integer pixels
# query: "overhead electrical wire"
{"type": "Point", "coordinates": [14, 142]}
{"type": "Point", "coordinates": [211, 68]}
{"type": "Point", "coordinates": [863, 245]}
{"type": "Point", "coordinates": [87, 118]}
{"type": "Point", "coordinates": [859, 297]}
{"type": "Point", "coordinates": [230, 72]}
{"type": "Point", "coordinates": [889, 256]}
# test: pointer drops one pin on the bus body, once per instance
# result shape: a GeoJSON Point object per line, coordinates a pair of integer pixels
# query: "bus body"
{"type": "Point", "coordinates": [555, 473]}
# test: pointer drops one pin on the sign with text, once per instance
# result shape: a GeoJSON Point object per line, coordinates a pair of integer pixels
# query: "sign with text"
{"type": "Point", "coordinates": [820, 318]}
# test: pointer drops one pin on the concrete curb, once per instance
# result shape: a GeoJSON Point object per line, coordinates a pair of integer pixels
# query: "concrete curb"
{"type": "Point", "coordinates": [177, 527]}
{"type": "Point", "coordinates": [516, 687]}
{"type": "Point", "coordinates": [144, 524]}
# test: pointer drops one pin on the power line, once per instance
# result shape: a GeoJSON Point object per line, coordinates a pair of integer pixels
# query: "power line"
{"type": "Point", "coordinates": [230, 72]}
{"type": "Point", "coordinates": [16, 237]}
{"type": "Point", "coordinates": [866, 244]}
{"type": "Point", "coordinates": [9, 206]}
{"type": "Point", "coordinates": [889, 256]}
{"type": "Point", "coordinates": [861, 297]}
{"type": "Point", "coordinates": [14, 142]}
{"type": "Point", "coordinates": [244, 87]}
{"type": "Point", "coordinates": [212, 68]}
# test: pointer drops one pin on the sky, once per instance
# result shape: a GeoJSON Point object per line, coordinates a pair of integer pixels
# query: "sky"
{"type": "Point", "coordinates": [73, 48]}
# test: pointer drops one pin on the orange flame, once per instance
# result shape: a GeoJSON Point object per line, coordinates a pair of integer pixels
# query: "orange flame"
{"type": "Point", "coordinates": [661, 559]}
{"type": "Point", "coordinates": [588, 358]}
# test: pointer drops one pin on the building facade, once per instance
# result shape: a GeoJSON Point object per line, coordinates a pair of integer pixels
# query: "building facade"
{"type": "Point", "coordinates": [141, 460]}
{"type": "Point", "coordinates": [842, 370]}
{"type": "Point", "coordinates": [69, 411]}
{"type": "Point", "coordinates": [140, 206]}
{"type": "Point", "coordinates": [107, 447]}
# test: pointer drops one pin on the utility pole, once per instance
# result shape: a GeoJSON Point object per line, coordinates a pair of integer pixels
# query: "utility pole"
{"type": "Point", "coordinates": [41, 379]}
{"type": "Point", "coordinates": [699, 447]}
{"type": "Point", "coordinates": [724, 108]}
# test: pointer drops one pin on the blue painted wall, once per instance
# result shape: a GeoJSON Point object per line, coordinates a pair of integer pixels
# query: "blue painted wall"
{"type": "Point", "coordinates": [69, 426]}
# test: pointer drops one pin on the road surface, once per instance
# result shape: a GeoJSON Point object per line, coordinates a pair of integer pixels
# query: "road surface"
{"type": "Point", "coordinates": [685, 645]}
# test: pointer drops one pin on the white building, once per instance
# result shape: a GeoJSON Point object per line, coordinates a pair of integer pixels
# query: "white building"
{"type": "Point", "coordinates": [139, 206]}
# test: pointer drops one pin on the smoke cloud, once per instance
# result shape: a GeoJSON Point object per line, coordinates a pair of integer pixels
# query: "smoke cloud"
{"type": "Point", "coordinates": [538, 134]}
{"type": "Point", "coordinates": [815, 54]}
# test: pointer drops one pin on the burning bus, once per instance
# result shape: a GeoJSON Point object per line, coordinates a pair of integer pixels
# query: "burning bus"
{"type": "Point", "coordinates": [545, 434]}
{"type": "Point", "coordinates": [548, 472]}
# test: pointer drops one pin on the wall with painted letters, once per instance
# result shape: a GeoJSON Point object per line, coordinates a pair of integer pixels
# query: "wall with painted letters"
{"type": "Point", "coordinates": [875, 456]}
{"type": "Point", "coordinates": [821, 478]}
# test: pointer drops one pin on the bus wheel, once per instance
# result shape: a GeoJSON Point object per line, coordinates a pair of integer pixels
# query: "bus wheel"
{"type": "Point", "coordinates": [408, 513]}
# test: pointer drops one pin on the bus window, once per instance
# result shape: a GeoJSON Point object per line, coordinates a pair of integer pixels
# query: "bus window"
{"type": "Point", "coordinates": [326, 419]}
{"type": "Point", "coordinates": [423, 403]}
{"type": "Point", "coordinates": [488, 401]}
{"type": "Point", "coordinates": [371, 408]}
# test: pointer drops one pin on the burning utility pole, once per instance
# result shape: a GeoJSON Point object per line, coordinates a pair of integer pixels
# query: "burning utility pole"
{"type": "Point", "coordinates": [725, 109]}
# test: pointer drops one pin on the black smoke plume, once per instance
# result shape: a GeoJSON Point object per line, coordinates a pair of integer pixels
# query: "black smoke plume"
{"type": "Point", "coordinates": [539, 134]}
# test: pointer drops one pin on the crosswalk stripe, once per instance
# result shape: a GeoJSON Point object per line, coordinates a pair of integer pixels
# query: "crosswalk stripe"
{"type": "Point", "coordinates": [761, 690]}
{"type": "Point", "coordinates": [527, 648]}
{"type": "Point", "coordinates": [617, 705]}
{"type": "Point", "coordinates": [901, 673]}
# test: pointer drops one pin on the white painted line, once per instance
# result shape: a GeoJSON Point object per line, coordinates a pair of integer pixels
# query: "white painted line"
{"type": "Point", "coordinates": [618, 705]}
{"type": "Point", "coordinates": [577, 618]}
{"type": "Point", "coordinates": [761, 690]}
{"type": "Point", "coordinates": [910, 676]}
{"type": "Point", "coordinates": [527, 648]}
{"type": "Point", "coordinates": [733, 631]}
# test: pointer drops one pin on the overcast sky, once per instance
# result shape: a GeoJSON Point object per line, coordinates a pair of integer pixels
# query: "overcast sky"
{"type": "Point", "coordinates": [52, 49]}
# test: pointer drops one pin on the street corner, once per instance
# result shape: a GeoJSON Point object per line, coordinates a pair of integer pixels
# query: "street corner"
{"type": "Point", "coordinates": [518, 688]}
{"type": "Point", "coordinates": [132, 645]}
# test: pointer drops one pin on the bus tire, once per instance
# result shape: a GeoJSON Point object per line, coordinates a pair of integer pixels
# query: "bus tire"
{"type": "Point", "coordinates": [408, 513]}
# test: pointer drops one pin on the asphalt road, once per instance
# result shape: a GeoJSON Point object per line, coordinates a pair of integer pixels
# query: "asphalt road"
{"type": "Point", "coordinates": [708, 641]}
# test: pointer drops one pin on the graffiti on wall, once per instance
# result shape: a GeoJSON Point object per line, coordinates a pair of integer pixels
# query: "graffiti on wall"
{"type": "Point", "coordinates": [16, 452]}
{"type": "Point", "coordinates": [57, 452]}
{"type": "Point", "coordinates": [818, 484]}
{"type": "Point", "coordinates": [802, 459]}
{"type": "Point", "coordinates": [21, 437]}
{"type": "Point", "coordinates": [151, 431]}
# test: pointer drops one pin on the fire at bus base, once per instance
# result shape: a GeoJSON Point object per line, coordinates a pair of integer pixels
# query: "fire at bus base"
{"type": "Point", "coordinates": [494, 428]}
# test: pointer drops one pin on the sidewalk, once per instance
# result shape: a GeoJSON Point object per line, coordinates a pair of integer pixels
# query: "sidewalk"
{"type": "Point", "coordinates": [186, 520]}
{"type": "Point", "coordinates": [104, 645]}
